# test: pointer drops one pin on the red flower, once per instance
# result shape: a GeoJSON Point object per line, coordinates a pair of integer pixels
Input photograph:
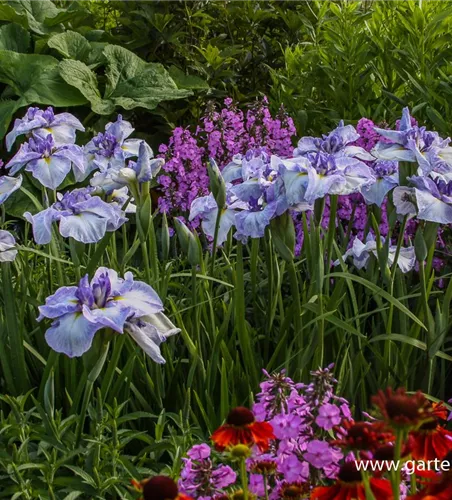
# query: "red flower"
{"type": "Point", "coordinates": [349, 486]}
{"type": "Point", "coordinates": [431, 441]}
{"type": "Point", "coordinates": [440, 487]}
{"type": "Point", "coordinates": [364, 435]}
{"type": "Point", "coordinates": [159, 488]}
{"type": "Point", "coordinates": [401, 409]}
{"type": "Point", "coordinates": [241, 428]}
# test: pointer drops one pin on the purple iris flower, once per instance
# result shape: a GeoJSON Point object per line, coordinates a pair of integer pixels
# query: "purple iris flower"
{"type": "Point", "coordinates": [47, 162]}
{"type": "Point", "coordinates": [324, 177]}
{"type": "Point", "coordinates": [41, 123]}
{"type": "Point", "coordinates": [144, 169]}
{"type": "Point", "coordinates": [361, 252]}
{"type": "Point", "coordinates": [108, 301]}
{"type": "Point", "coordinates": [412, 143]}
{"type": "Point", "coordinates": [433, 198]}
{"type": "Point", "coordinates": [386, 178]}
{"type": "Point", "coordinates": [84, 217]}
{"type": "Point", "coordinates": [206, 208]}
{"type": "Point", "coordinates": [251, 223]}
{"type": "Point", "coordinates": [111, 148]}
{"type": "Point", "coordinates": [7, 246]}
{"type": "Point", "coordinates": [336, 143]}
{"type": "Point", "coordinates": [8, 185]}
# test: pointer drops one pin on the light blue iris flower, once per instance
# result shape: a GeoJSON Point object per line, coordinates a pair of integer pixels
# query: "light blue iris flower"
{"type": "Point", "coordinates": [84, 217]}
{"type": "Point", "coordinates": [7, 246]}
{"type": "Point", "coordinates": [108, 301]}
{"type": "Point", "coordinates": [47, 162]}
{"type": "Point", "coordinates": [386, 178]}
{"type": "Point", "coordinates": [41, 123]}
{"type": "Point", "coordinates": [433, 198]}
{"type": "Point", "coordinates": [361, 252]}
{"type": "Point", "coordinates": [111, 148]}
{"type": "Point", "coordinates": [206, 208]}
{"type": "Point", "coordinates": [337, 143]}
{"type": "Point", "coordinates": [412, 143]}
{"type": "Point", "coordinates": [144, 169]}
{"type": "Point", "coordinates": [8, 185]}
{"type": "Point", "coordinates": [252, 223]}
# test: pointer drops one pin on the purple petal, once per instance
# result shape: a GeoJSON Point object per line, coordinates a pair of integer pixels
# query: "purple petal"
{"type": "Point", "coordinates": [63, 301]}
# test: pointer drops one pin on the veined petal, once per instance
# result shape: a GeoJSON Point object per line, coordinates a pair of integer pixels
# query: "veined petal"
{"type": "Point", "coordinates": [131, 147]}
{"type": "Point", "coordinates": [321, 185]}
{"type": "Point", "coordinates": [232, 171]}
{"type": "Point", "coordinates": [71, 334]}
{"type": "Point", "coordinates": [433, 209]}
{"type": "Point", "coordinates": [247, 190]}
{"type": "Point", "coordinates": [295, 183]}
{"type": "Point", "coordinates": [8, 185]}
{"type": "Point", "coordinates": [253, 224]}
{"type": "Point", "coordinates": [142, 299]}
{"type": "Point", "coordinates": [227, 220]}
{"type": "Point", "coordinates": [148, 338]}
{"type": "Point", "coordinates": [22, 127]}
{"type": "Point", "coordinates": [406, 260]}
{"type": "Point", "coordinates": [395, 136]}
{"type": "Point", "coordinates": [201, 206]}
{"type": "Point", "coordinates": [51, 171]}
{"type": "Point", "coordinates": [21, 158]}
{"type": "Point", "coordinates": [162, 323]}
{"type": "Point", "coordinates": [113, 316]}
{"type": "Point", "coordinates": [7, 246]}
{"type": "Point", "coordinates": [73, 153]}
{"type": "Point", "coordinates": [394, 152]}
{"type": "Point", "coordinates": [63, 301]}
{"type": "Point", "coordinates": [86, 227]}
{"type": "Point", "coordinates": [357, 152]}
{"type": "Point", "coordinates": [376, 192]}
{"type": "Point", "coordinates": [42, 224]}
{"type": "Point", "coordinates": [121, 129]}
{"type": "Point", "coordinates": [305, 145]}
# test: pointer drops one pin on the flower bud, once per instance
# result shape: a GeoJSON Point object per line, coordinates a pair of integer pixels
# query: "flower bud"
{"type": "Point", "coordinates": [217, 184]}
{"type": "Point", "coordinates": [240, 451]}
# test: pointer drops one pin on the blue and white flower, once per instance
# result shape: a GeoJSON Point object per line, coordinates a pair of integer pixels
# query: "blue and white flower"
{"type": "Point", "coordinates": [41, 123]}
{"type": "Point", "coordinates": [412, 143]}
{"type": "Point", "coordinates": [8, 250]}
{"type": "Point", "coordinates": [337, 143]}
{"type": "Point", "coordinates": [111, 148]}
{"type": "Point", "coordinates": [386, 178]}
{"type": "Point", "coordinates": [47, 162]}
{"type": "Point", "coordinates": [361, 252]}
{"type": "Point", "coordinates": [81, 216]}
{"type": "Point", "coordinates": [433, 199]}
{"type": "Point", "coordinates": [8, 185]}
{"type": "Point", "coordinates": [108, 301]}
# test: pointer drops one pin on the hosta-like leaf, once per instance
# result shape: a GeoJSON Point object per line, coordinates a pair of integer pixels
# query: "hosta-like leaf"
{"type": "Point", "coordinates": [71, 45]}
{"type": "Point", "coordinates": [132, 82]}
{"type": "Point", "coordinates": [14, 37]}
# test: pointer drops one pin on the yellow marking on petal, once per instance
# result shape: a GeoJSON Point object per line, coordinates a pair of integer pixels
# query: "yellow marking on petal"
{"type": "Point", "coordinates": [47, 160]}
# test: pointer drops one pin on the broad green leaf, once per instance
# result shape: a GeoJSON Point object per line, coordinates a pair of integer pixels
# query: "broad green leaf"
{"type": "Point", "coordinates": [7, 13]}
{"type": "Point", "coordinates": [71, 45]}
{"type": "Point", "coordinates": [14, 37]}
{"type": "Point", "coordinates": [7, 110]}
{"type": "Point", "coordinates": [78, 74]}
{"type": "Point", "coordinates": [132, 82]}
{"type": "Point", "coordinates": [184, 81]}
{"type": "Point", "coordinates": [36, 79]}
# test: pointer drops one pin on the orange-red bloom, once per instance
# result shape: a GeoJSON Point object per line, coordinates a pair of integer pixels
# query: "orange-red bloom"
{"type": "Point", "coordinates": [401, 409]}
{"type": "Point", "coordinates": [364, 435]}
{"type": "Point", "coordinates": [431, 440]}
{"type": "Point", "coordinates": [349, 486]}
{"type": "Point", "coordinates": [242, 428]}
{"type": "Point", "coordinates": [159, 488]}
{"type": "Point", "coordinates": [440, 487]}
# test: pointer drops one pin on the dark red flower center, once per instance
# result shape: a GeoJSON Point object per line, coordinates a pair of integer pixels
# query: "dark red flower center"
{"type": "Point", "coordinates": [348, 473]}
{"type": "Point", "coordinates": [240, 417]}
{"type": "Point", "coordinates": [160, 488]}
{"type": "Point", "coordinates": [384, 453]}
{"type": "Point", "coordinates": [293, 491]}
{"type": "Point", "coordinates": [400, 406]}
{"type": "Point", "coordinates": [430, 425]}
